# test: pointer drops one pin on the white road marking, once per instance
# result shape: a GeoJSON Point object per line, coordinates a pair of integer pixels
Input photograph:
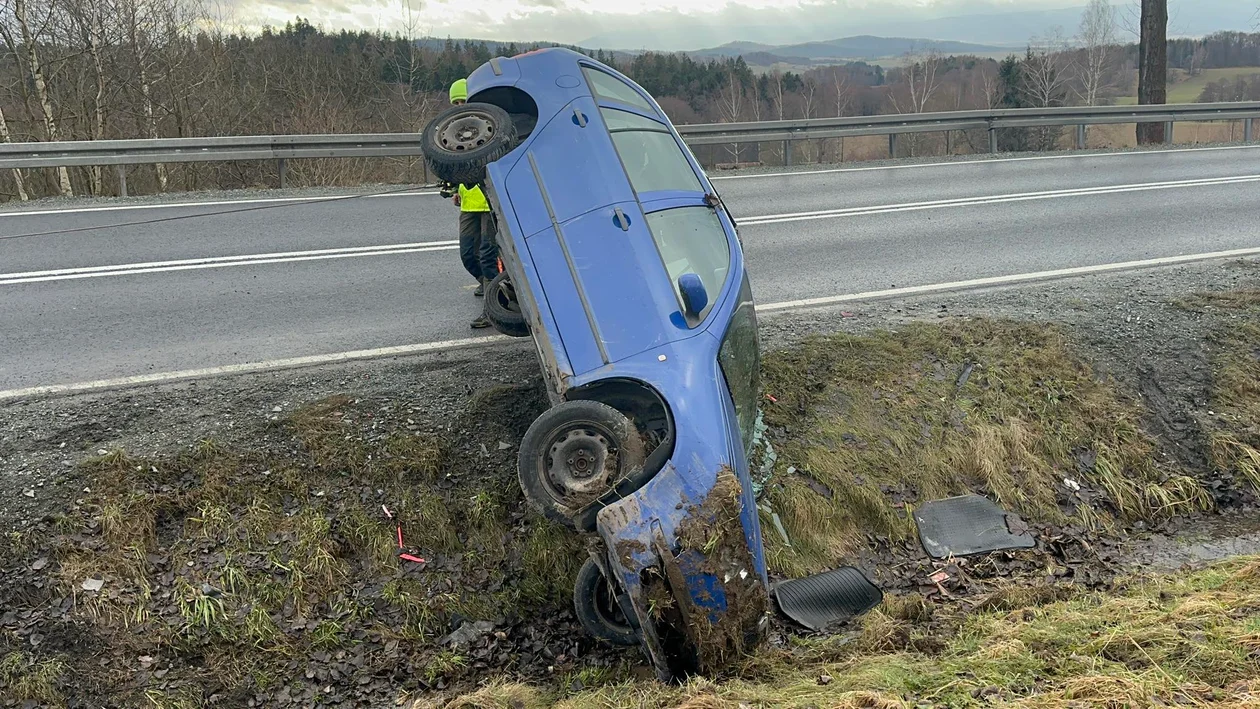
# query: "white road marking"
{"type": "Point", "coordinates": [982, 161]}
{"type": "Point", "coordinates": [1007, 280]}
{"type": "Point", "coordinates": [992, 199]}
{"type": "Point", "coordinates": [215, 203]}
{"type": "Point", "coordinates": [758, 176]}
{"type": "Point", "coordinates": [805, 304]}
{"type": "Point", "coordinates": [66, 274]}
{"type": "Point", "coordinates": [253, 367]}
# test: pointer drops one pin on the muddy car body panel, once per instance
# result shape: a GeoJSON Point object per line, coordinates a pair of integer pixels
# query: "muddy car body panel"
{"type": "Point", "coordinates": [626, 266]}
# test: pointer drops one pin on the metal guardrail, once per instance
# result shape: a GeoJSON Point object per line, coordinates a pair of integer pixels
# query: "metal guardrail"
{"type": "Point", "coordinates": [121, 153]}
{"type": "Point", "coordinates": [991, 121]}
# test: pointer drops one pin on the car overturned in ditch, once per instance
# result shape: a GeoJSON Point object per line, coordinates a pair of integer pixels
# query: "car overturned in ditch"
{"type": "Point", "coordinates": [623, 264]}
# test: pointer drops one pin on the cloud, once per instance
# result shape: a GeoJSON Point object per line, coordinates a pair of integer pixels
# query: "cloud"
{"type": "Point", "coordinates": [695, 24]}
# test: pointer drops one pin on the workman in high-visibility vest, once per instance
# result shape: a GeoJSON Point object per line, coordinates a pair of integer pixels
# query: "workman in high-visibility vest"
{"type": "Point", "coordinates": [477, 247]}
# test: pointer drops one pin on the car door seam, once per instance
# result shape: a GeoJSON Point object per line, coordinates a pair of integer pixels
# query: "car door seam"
{"type": "Point", "coordinates": [568, 257]}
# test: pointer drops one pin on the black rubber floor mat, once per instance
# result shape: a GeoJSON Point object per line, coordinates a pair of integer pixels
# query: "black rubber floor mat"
{"type": "Point", "coordinates": [972, 524]}
{"type": "Point", "coordinates": [819, 602]}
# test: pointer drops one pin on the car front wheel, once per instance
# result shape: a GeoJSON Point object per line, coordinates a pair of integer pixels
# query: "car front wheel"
{"type": "Point", "coordinates": [574, 455]}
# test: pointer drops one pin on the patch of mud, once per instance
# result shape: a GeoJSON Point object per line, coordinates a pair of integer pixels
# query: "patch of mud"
{"type": "Point", "coordinates": [1200, 543]}
{"type": "Point", "coordinates": [714, 530]}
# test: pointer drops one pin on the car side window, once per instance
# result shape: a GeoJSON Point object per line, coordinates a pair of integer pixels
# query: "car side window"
{"type": "Point", "coordinates": [614, 89]}
{"type": "Point", "coordinates": [692, 240]}
{"type": "Point", "coordinates": [650, 154]}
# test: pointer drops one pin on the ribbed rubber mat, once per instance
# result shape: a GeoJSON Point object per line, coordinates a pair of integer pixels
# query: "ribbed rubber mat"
{"type": "Point", "coordinates": [972, 524]}
{"type": "Point", "coordinates": [819, 602]}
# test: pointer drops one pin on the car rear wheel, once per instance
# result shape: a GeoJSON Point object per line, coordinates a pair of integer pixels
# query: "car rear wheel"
{"type": "Point", "coordinates": [462, 140]}
{"type": "Point", "coordinates": [597, 608]}
{"type": "Point", "coordinates": [503, 310]}
{"type": "Point", "coordinates": [574, 455]}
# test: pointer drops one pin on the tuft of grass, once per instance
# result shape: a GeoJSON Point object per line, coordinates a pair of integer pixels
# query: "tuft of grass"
{"type": "Point", "coordinates": [444, 664]}
{"type": "Point", "coordinates": [1234, 431]}
{"type": "Point", "coordinates": [1188, 639]}
{"type": "Point", "coordinates": [873, 424]}
{"type": "Point", "coordinates": [29, 680]}
{"type": "Point", "coordinates": [215, 551]}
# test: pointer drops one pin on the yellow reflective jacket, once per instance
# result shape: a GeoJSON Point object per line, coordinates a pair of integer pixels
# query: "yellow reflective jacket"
{"type": "Point", "coordinates": [472, 200]}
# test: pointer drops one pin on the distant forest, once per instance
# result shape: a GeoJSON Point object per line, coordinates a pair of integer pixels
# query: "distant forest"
{"type": "Point", "coordinates": [101, 69]}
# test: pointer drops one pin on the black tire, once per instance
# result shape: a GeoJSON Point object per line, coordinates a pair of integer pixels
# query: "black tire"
{"type": "Point", "coordinates": [503, 310]}
{"type": "Point", "coordinates": [597, 609]}
{"type": "Point", "coordinates": [463, 139]}
{"type": "Point", "coordinates": [575, 455]}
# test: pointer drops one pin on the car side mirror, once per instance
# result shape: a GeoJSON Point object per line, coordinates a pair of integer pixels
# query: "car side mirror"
{"type": "Point", "coordinates": [694, 296]}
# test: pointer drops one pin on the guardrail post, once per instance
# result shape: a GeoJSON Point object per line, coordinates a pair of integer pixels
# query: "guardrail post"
{"type": "Point", "coordinates": [1247, 129]}
{"type": "Point", "coordinates": [1168, 133]}
{"type": "Point", "coordinates": [284, 170]}
{"type": "Point", "coordinates": [122, 179]}
{"type": "Point", "coordinates": [892, 145]}
{"type": "Point", "coordinates": [1080, 137]}
{"type": "Point", "coordinates": [949, 142]}
{"type": "Point", "coordinates": [787, 153]}
{"type": "Point", "coordinates": [993, 142]}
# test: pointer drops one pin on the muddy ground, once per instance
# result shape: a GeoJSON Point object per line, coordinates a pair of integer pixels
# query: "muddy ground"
{"type": "Point", "coordinates": [472, 407]}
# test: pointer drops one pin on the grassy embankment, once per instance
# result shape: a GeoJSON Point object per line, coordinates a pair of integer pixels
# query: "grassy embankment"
{"type": "Point", "coordinates": [233, 568]}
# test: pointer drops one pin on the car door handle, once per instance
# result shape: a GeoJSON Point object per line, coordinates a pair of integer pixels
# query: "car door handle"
{"type": "Point", "coordinates": [620, 219]}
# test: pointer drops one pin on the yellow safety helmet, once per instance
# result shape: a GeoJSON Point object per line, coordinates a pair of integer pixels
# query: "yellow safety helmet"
{"type": "Point", "coordinates": [459, 91]}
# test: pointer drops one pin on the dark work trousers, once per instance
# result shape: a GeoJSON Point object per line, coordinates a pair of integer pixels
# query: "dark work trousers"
{"type": "Point", "coordinates": [477, 246]}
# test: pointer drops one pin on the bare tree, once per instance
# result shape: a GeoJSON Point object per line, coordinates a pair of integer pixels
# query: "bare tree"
{"type": "Point", "coordinates": [922, 82]}
{"type": "Point", "coordinates": [1045, 76]}
{"type": "Point", "coordinates": [18, 13]}
{"type": "Point", "coordinates": [17, 174]}
{"type": "Point", "coordinates": [844, 97]}
{"type": "Point", "coordinates": [731, 106]}
{"type": "Point", "coordinates": [1097, 38]}
{"type": "Point", "coordinates": [88, 16]}
{"type": "Point", "coordinates": [1197, 59]}
{"type": "Point", "coordinates": [809, 94]}
{"type": "Point", "coordinates": [1153, 66]}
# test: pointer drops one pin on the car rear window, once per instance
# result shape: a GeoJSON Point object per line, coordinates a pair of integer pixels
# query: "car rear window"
{"type": "Point", "coordinates": [610, 87]}
{"type": "Point", "coordinates": [652, 157]}
{"type": "Point", "coordinates": [691, 240]}
{"type": "Point", "coordinates": [740, 359]}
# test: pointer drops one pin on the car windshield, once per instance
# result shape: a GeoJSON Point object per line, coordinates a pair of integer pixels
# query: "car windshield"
{"type": "Point", "coordinates": [651, 156]}
{"type": "Point", "coordinates": [740, 360]}
{"type": "Point", "coordinates": [692, 240]}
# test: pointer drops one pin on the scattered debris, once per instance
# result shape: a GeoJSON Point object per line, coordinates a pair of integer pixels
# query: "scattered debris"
{"type": "Point", "coordinates": [93, 584]}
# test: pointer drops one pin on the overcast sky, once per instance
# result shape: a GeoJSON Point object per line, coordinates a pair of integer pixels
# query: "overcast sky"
{"type": "Point", "coordinates": [668, 24]}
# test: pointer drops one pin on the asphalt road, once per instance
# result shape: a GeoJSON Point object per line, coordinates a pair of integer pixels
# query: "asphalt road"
{"type": "Point", "coordinates": [264, 280]}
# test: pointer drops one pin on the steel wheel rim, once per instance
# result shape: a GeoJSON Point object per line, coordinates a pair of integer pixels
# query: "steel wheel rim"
{"type": "Point", "coordinates": [576, 461]}
{"type": "Point", "coordinates": [466, 132]}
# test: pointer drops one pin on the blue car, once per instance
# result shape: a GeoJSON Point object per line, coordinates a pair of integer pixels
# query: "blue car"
{"type": "Point", "coordinates": [621, 261]}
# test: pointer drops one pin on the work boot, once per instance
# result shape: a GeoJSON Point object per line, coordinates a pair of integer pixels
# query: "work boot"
{"type": "Point", "coordinates": [480, 323]}
{"type": "Point", "coordinates": [481, 288]}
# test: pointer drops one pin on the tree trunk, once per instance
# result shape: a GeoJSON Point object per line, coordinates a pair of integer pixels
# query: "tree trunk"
{"type": "Point", "coordinates": [17, 174]}
{"type": "Point", "coordinates": [96, 35]}
{"type": "Point", "coordinates": [41, 91]}
{"type": "Point", "coordinates": [146, 93]}
{"type": "Point", "coordinates": [1153, 66]}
